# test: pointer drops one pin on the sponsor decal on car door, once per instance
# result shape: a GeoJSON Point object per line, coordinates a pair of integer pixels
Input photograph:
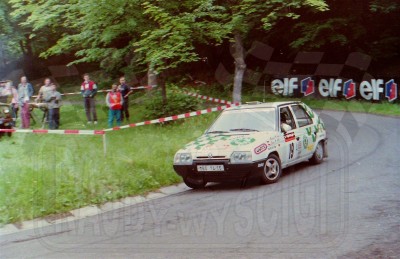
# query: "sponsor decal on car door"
{"type": "Point", "coordinates": [306, 129]}
{"type": "Point", "coordinates": [293, 147]}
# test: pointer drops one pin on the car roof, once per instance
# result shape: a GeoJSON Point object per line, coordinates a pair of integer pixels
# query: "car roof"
{"type": "Point", "coordinates": [255, 105]}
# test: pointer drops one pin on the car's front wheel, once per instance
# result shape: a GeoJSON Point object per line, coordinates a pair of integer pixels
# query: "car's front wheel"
{"type": "Point", "coordinates": [272, 170]}
{"type": "Point", "coordinates": [194, 183]}
{"type": "Point", "coordinates": [318, 155]}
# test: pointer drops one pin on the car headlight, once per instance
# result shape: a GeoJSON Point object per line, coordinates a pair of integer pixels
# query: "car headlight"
{"type": "Point", "coordinates": [241, 157]}
{"type": "Point", "coordinates": [183, 159]}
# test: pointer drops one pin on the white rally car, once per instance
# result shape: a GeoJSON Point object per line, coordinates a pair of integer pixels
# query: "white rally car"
{"type": "Point", "coordinates": [253, 140]}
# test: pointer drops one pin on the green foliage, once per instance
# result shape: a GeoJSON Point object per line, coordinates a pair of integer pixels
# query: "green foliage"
{"type": "Point", "coordinates": [370, 28]}
{"type": "Point", "coordinates": [384, 6]}
{"type": "Point", "coordinates": [95, 31]}
{"type": "Point", "coordinates": [330, 31]}
{"type": "Point", "coordinates": [170, 40]}
{"type": "Point", "coordinates": [178, 103]}
{"type": "Point", "coordinates": [9, 51]}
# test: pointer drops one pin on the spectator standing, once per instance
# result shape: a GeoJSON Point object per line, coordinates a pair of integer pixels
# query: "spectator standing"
{"type": "Point", "coordinates": [125, 91]}
{"type": "Point", "coordinates": [53, 100]}
{"type": "Point", "coordinates": [44, 89]}
{"type": "Point", "coordinates": [89, 90]}
{"type": "Point", "coordinates": [10, 92]}
{"type": "Point", "coordinates": [114, 101]}
{"type": "Point", "coordinates": [25, 92]}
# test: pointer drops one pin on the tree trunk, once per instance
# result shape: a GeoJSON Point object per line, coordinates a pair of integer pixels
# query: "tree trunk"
{"type": "Point", "coordinates": [240, 67]}
{"type": "Point", "coordinates": [3, 55]}
{"type": "Point", "coordinates": [22, 47]}
{"type": "Point", "coordinates": [163, 86]}
{"type": "Point", "coordinates": [151, 77]}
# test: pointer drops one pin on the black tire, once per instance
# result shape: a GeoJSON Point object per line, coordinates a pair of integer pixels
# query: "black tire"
{"type": "Point", "coordinates": [272, 170]}
{"type": "Point", "coordinates": [194, 183]}
{"type": "Point", "coordinates": [318, 155]}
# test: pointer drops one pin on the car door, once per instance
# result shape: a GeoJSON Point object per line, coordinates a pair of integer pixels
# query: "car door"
{"type": "Point", "coordinates": [306, 130]}
{"type": "Point", "coordinates": [292, 138]}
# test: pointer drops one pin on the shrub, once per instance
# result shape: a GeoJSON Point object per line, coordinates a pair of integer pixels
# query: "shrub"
{"type": "Point", "coordinates": [177, 103]}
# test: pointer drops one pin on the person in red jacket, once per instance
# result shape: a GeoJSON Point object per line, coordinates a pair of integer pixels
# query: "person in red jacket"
{"type": "Point", "coordinates": [89, 90]}
{"type": "Point", "coordinates": [114, 101]}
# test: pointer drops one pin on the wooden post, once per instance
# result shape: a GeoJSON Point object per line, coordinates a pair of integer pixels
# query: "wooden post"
{"type": "Point", "coordinates": [104, 145]}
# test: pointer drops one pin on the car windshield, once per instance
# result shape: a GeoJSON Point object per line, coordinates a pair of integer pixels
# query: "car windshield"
{"type": "Point", "coordinates": [245, 120]}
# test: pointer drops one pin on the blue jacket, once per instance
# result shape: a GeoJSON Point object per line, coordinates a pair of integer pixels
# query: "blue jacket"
{"type": "Point", "coordinates": [24, 93]}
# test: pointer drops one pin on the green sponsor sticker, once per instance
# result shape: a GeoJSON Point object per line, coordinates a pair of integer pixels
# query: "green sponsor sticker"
{"type": "Point", "coordinates": [242, 141]}
{"type": "Point", "coordinates": [305, 142]}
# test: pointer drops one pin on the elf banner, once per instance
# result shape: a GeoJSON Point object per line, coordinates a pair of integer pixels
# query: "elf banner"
{"type": "Point", "coordinates": [370, 90]}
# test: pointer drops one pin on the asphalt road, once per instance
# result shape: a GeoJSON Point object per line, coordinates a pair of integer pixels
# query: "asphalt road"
{"type": "Point", "coordinates": [348, 206]}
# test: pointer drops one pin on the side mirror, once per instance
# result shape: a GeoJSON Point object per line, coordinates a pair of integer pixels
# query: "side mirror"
{"type": "Point", "coordinates": [285, 127]}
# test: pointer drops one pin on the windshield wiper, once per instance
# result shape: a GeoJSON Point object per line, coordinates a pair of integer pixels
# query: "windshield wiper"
{"type": "Point", "coordinates": [217, 131]}
{"type": "Point", "coordinates": [243, 129]}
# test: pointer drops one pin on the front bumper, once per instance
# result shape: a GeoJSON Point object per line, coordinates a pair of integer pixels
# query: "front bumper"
{"type": "Point", "coordinates": [231, 172]}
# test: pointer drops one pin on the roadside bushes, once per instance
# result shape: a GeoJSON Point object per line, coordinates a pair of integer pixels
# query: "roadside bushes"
{"type": "Point", "coordinates": [177, 103]}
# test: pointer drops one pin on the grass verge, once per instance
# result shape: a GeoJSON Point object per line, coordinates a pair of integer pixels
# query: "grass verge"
{"type": "Point", "coordinates": [47, 174]}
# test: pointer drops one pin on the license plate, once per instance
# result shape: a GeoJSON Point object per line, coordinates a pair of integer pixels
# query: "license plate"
{"type": "Point", "coordinates": [210, 168]}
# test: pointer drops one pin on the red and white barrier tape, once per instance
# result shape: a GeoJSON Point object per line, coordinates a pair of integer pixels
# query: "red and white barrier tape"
{"type": "Point", "coordinates": [207, 98]}
{"type": "Point", "coordinates": [173, 118]}
{"type": "Point", "coordinates": [160, 120]}
{"type": "Point", "coordinates": [109, 90]}
{"type": "Point", "coordinates": [59, 132]}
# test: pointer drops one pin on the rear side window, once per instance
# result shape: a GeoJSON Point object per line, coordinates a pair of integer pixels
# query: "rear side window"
{"type": "Point", "coordinates": [287, 117]}
{"type": "Point", "coordinates": [303, 119]}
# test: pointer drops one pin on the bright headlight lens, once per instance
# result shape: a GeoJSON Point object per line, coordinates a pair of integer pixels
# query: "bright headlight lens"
{"type": "Point", "coordinates": [241, 157]}
{"type": "Point", "coordinates": [183, 159]}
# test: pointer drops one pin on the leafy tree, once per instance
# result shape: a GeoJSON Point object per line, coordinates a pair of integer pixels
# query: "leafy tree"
{"type": "Point", "coordinates": [9, 51]}
{"type": "Point", "coordinates": [243, 17]}
{"type": "Point", "coordinates": [365, 26]}
{"type": "Point", "coordinates": [94, 31]}
{"type": "Point", "coordinates": [169, 42]}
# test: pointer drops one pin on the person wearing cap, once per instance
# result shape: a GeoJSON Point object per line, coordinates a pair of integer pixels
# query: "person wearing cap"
{"type": "Point", "coordinates": [89, 90]}
{"type": "Point", "coordinates": [25, 92]}
{"type": "Point", "coordinates": [114, 101]}
{"type": "Point", "coordinates": [53, 100]}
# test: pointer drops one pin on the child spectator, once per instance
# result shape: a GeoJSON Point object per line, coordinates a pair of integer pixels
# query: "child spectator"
{"type": "Point", "coordinates": [114, 101]}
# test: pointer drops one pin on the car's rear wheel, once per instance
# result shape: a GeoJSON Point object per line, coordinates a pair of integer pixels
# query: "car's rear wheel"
{"type": "Point", "coordinates": [194, 183]}
{"type": "Point", "coordinates": [272, 170]}
{"type": "Point", "coordinates": [318, 155]}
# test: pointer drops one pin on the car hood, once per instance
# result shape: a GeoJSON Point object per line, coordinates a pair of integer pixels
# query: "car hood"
{"type": "Point", "coordinates": [222, 145]}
